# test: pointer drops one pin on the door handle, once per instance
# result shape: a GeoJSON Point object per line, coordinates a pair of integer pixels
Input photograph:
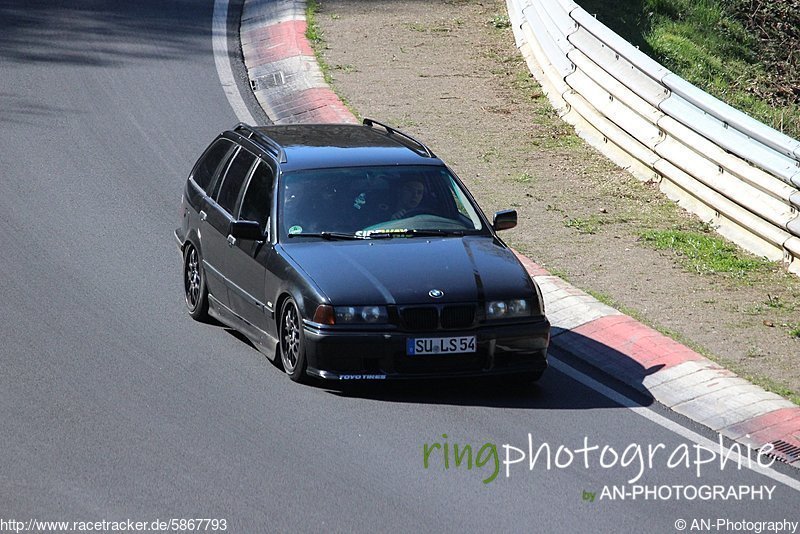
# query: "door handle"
{"type": "Point", "coordinates": [203, 215]}
{"type": "Point", "coordinates": [231, 240]}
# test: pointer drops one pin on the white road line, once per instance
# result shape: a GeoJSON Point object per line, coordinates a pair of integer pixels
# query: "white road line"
{"type": "Point", "coordinates": [219, 40]}
{"type": "Point", "coordinates": [667, 423]}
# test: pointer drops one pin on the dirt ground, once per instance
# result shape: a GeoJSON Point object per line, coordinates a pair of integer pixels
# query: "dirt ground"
{"type": "Point", "coordinates": [448, 72]}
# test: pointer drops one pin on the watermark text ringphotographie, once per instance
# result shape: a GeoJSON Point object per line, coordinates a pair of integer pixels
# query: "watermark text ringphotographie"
{"type": "Point", "coordinates": [493, 461]}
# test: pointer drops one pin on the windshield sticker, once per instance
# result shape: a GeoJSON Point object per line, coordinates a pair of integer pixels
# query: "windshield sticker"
{"type": "Point", "coordinates": [360, 200]}
{"type": "Point", "coordinates": [295, 229]}
{"type": "Point", "coordinates": [367, 233]}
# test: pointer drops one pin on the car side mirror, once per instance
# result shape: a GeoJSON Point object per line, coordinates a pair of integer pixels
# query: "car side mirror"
{"type": "Point", "coordinates": [246, 230]}
{"type": "Point", "coordinates": [504, 219]}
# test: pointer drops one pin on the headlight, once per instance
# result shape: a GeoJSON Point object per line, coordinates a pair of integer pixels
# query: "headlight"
{"type": "Point", "coordinates": [360, 314]}
{"type": "Point", "coordinates": [345, 314]}
{"type": "Point", "coordinates": [373, 314]}
{"type": "Point", "coordinates": [508, 309]}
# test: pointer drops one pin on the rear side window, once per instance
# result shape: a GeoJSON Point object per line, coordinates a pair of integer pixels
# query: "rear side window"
{"type": "Point", "coordinates": [256, 201]}
{"type": "Point", "coordinates": [209, 162]}
{"type": "Point", "coordinates": [238, 170]}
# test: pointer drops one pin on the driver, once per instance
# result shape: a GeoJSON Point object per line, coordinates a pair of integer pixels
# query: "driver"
{"type": "Point", "coordinates": [411, 194]}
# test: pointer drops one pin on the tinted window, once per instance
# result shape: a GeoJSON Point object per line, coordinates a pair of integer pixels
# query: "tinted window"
{"type": "Point", "coordinates": [209, 162]}
{"type": "Point", "coordinates": [237, 171]}
{"type": "Point", "coordinates": [256, 201]}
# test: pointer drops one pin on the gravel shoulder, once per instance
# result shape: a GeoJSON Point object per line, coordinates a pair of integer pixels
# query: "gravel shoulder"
{"type": "Point", "coordinates": [449, 73]}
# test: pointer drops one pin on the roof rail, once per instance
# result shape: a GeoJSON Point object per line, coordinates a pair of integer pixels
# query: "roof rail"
{"type": "Point", "coordinates": [263, 140]}
{"type": "Point", "coordinates": [418, 147]}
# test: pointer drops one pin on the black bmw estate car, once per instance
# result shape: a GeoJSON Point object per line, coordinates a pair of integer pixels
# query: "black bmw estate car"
{"type": "Point", "coordinates": [351, 252]}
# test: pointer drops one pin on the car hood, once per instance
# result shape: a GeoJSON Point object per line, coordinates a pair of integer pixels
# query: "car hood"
{"type": "Point", "coordinates": [404, 270]}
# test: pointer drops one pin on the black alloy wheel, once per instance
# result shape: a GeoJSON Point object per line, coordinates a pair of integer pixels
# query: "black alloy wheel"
{"type": "Point", "coordinates": [194, 284]}
{"type": "Point", "coordinates": [293, 355]}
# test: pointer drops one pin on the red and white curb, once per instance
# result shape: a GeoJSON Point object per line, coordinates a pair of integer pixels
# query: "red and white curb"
{"type": "Point", "coordinates": [287, 82]}
{"type": "Point", "coordinates": [281, 65]}
{"type": "Point", "coordinates": [671, 373]}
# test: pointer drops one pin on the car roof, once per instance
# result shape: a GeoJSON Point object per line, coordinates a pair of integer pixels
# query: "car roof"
{"type": "Point", "coordinates": [315, 146]}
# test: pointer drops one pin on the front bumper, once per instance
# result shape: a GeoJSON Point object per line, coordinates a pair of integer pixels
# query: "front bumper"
{"type": "Point", "coordinates": [377, 355]}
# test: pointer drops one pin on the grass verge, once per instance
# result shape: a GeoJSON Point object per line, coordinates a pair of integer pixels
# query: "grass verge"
{"type": "Point", "coordinates": [704, 253]}
{"type": "Point", "coordinates": [317, 41]}
{"type": "Point", "coordinates": [710, 44]}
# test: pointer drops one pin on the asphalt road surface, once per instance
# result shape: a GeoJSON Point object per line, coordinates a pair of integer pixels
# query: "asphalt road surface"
{"type": "Point", "coordinates": [116, 405]}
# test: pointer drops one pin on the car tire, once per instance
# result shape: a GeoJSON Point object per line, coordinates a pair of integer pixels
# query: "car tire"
{"type": "Point", "coordinates": [194, 283]}
{"type": "Point", "coordinates": [291, 342]}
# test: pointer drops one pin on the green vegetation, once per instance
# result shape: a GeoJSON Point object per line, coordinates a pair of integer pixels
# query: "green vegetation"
{"type": "Point", "coordinates": [584, 225]}
{"type": "Point", "coordinates": [523, 178]}
{"type": "Point", "coordinates": [489, 155]}
{"type": "Point", "coordinates": [562, 136]}
{"type": "Point", "coordinates": [772, 303]}
{"type": "Point", "coordinates": [402, 122]}
{"type": "Point", "coordinates": [348, 68]}
{"type": "Point", "coordinates": [434, 27]}
{"type": "Point", "coordinates": [313, 33]}
{"type": "Point", "coordinates": [314, 36]}
{"type": "Point", "coordinates": [317, 41]}
{"type": "Point", "coordinates": [746, 54]}
{"type": "Point", "coordinates": [525, 83]}
{"type": "Point", "coordinates": [500, 21]}
{"type": "Point", "coordinates": [704, 253]}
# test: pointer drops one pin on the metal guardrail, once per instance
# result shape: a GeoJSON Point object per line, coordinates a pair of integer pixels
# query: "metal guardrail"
{"type": "Point", "coordinates": [736, 173]}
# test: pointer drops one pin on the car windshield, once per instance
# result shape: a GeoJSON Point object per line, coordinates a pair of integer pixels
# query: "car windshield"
{"type": "Point", "coordinates": [375, 202]}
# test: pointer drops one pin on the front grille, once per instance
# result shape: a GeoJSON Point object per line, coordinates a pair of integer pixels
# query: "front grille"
{"type": "Point", "coordinates": [445, 316]}
{"type": "Point", "coordinates": [426, 318]}
{"type": "Point", "coordinates": [458, 316]}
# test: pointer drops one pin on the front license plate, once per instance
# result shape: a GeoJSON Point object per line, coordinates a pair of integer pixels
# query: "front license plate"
{"type": "Point", "coordinates": [440, 345]}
